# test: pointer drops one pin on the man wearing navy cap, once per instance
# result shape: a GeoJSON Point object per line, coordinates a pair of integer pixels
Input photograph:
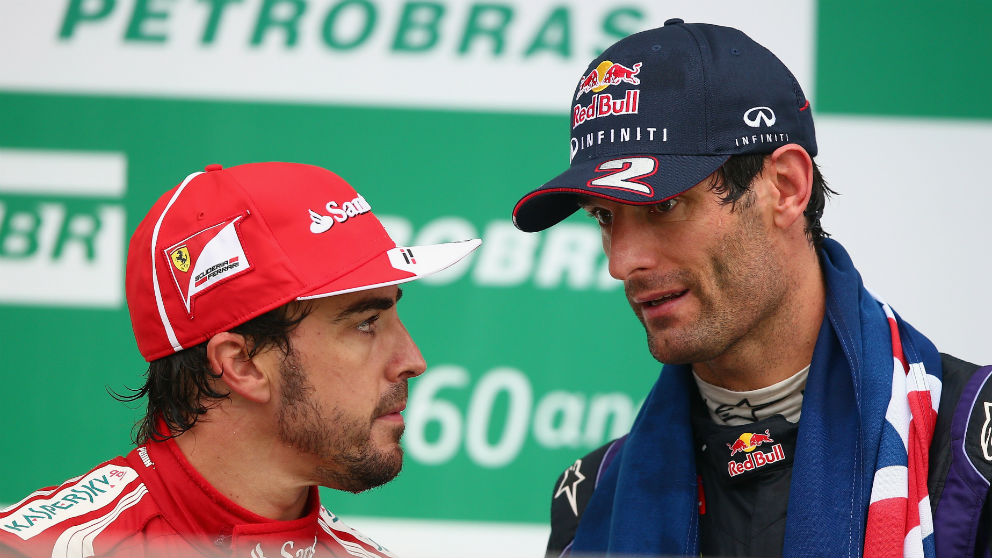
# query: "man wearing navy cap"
{"type": "Point", "coordinates": [797, 413]}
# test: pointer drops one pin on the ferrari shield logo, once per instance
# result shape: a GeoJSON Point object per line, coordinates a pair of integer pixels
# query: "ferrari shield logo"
{"type": "Point", "coordinates": [207, 258]}
{"type": "Point", "coordinates": [180, 258]}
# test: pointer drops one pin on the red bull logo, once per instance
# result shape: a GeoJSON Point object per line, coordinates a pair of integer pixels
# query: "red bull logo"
{"type": "Point", "coordinates": [606, 74]}
{"type": "Point", "coordinates": [756, 460]}
{"type": "Point", "coordinates": [606, 105]}
{"type": "Point", "coordinates": [748, 441]}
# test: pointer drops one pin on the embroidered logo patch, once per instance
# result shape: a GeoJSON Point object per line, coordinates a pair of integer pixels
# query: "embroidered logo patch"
{"type": "Point", "coordinates": [207, 258]}
{"type": "Point", "coordinates": [986, 436]}
{"type": "Point", "coordinates": [92, 492]}
{"type": "Point", "coordinates": [608, 73]}
{"type": "Point", "coordinates": [748, 442]}
{"type": "Point", "coordinates": [403, 259]}
{"type": "Point", "coordinates": [569, 485]}
{"type": "Point", "coordinates": [977, 446]}
{"type": "Point", "coordinates": [605, 105]}
{"type": "Point", "coordinates": [321, 223]}
{"type": "Point", "coordinates": [180, 258]}
{"type": "Point", "coordinates": [757, 117]}
{"type": "Point", "coordinates": [288, 548]}
{"type": "Point", "coordinates": [143, 454]}
{"type": "Point", "coordinates": [743, 409]}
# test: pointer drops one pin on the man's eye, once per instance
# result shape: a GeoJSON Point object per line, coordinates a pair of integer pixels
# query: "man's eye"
{"type": "Point", "coordinates": [665, 206]}
{"type": "Point", "coordinates": [368, 326]}
{"type": "Point", "coordinates": [602, 216]}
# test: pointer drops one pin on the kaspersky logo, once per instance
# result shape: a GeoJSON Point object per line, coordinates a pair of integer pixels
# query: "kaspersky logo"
{"type": "Point", "coordinates": [747, 443]}
{"type": "Point", "coordinates": [606, 74]}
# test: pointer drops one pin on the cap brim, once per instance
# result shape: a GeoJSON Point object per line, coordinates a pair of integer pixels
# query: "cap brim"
{"type": "Point", "coordinates": [395, 266]}
{"type": "Point", "coordinates": [663, 178]}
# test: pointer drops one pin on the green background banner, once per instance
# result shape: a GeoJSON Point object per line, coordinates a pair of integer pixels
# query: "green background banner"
{"type": "Point", "coordinates": [534, 357]}
{"type": "Point", "coordinates": [526, 338]}
{"type": "Point", "coordinates": [903, 58]}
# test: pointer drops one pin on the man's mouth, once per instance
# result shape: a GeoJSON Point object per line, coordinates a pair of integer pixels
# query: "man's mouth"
{"type": "Point", "coordinates": [394, 413]}
{"type": "Point", "coordinates": [393, 403]}
{"type": "Point", "coordinates": [395, 410]}
{"type": "Point", "coordinates": [664, 298]}
{"type": "Point", "coordinates": [657, 299]}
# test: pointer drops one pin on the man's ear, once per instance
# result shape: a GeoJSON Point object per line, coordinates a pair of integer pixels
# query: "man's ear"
{"type": "Point", "coordinates": [792, 173]}
{"type": "Point", "coordinates": [227, 354]}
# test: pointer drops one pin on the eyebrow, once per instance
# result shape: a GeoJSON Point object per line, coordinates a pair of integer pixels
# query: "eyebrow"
{"type": "Point", "coordinates": [371, 303]}
{"type": "Point", "coordinates": [585, 201]}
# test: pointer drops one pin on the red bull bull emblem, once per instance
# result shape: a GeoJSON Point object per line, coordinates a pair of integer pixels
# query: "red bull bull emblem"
{"type": "Point", "coordinates": [747, 443]}
{"type": "Point", "coordinates": [606, 74]}
{"type": "Point", "coordinates": [602, 76]}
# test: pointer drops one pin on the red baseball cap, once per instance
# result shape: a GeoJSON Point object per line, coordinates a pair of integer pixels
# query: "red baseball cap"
{"type": "Point", "coordinates": [226, 245]}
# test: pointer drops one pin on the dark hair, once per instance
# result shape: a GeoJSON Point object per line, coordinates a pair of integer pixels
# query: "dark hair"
{"type": "Point", "coordinates": [180, 386]}
{"type": "Point", "coordinates": [733, 182]}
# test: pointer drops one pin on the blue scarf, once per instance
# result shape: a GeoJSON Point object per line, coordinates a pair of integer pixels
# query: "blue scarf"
{"type": "Point", "coordinates": [646, 500]}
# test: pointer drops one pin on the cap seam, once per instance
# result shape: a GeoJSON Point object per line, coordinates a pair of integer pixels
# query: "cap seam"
{"type": "Point", "coordinates": [278, 242]}
{"type": "Point", "coordinates": [704, 77]}
{"type": "Point", "coordinates": [261, 216]}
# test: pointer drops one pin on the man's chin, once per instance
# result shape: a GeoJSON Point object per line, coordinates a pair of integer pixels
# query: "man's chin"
{"type": "Point", "coordinates": [667, 350]}
{"type": "Point", "coordinates": [387, 469]}
{"type": "Point", "coordinates": [366, 473]}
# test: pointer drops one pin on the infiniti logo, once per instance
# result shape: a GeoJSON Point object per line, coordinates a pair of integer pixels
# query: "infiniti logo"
{"type": "Point", "coordinates": [757, 116]}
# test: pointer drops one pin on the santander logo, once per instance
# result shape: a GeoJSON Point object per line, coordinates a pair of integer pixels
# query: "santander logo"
{"type": "Point", "coordinates": [321, 223]}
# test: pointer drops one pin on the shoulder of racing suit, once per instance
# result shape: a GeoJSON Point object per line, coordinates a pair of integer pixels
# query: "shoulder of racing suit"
{"type": "Point", "coordinates": [572, 492]}
{"type": "Point", "coordinates": [961, 460]}
{"type": "Point", "coordinates": [966, 392]}
{"type": "Point", "coordinates": [95, 512]}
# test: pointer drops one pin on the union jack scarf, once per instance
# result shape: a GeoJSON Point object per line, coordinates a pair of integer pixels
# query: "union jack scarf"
{"type": "Point", "coordinates": [860, 467]}
{"type": "Point", "coordinates": [900, 522]}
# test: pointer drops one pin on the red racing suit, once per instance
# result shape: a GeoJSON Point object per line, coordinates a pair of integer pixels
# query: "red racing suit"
{"type": "Point", "coordinates": [154, 503]}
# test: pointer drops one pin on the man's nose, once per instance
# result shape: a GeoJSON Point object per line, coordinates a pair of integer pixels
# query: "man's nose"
{"type": "Point", "coordinates": [630, 246]}
{"type": "Point", "coordinates": [410, 362]}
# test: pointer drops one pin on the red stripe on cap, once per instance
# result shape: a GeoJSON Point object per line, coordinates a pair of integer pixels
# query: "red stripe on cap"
{"type": "Point", "coordinates": [588, 193]}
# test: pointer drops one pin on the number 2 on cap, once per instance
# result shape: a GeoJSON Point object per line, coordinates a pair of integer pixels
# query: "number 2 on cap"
{"type": "Point", "coordinates": [624, 174]}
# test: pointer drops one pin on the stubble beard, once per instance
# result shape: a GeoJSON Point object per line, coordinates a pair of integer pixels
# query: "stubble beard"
{"type": "Point", "coordinates": [349, 458]}
{"type": "Point", "coordinates": [747, 286]}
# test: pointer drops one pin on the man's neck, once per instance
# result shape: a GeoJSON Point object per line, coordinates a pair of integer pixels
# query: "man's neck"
{"type": "Point", "coordinates": [243, 466]}
{"type": "Point", "coordinates": [780, 344]}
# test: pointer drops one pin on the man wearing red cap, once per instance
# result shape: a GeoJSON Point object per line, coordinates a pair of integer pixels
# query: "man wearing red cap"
{"type": "Point", "coordinates": [797, 414]}
{"type": "Point", "coordinates": [264, 298]}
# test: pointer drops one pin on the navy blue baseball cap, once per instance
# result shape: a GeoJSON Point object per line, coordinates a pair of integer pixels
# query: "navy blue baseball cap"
{"type": "Point", "coordinates": [660, 110]}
